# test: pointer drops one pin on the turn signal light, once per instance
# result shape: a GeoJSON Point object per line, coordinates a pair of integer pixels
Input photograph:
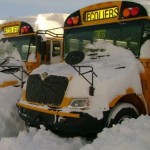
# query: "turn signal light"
{"type": "Point", "coordinates": [75, 20]}
{"type": "Point", "coordinates": [126, 12]}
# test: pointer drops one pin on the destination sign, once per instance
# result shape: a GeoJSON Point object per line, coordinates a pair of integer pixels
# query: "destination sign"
{"type": "Point", "coordinates": [11, 30]}
{"type": "Point", "coordinates": [101, 14]}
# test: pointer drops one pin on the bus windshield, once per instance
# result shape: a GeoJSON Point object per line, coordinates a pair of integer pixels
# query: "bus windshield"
{"type": "Point", "coordinates": [25, 45]}
{"type": "Point", "coordinates": [127, 35]}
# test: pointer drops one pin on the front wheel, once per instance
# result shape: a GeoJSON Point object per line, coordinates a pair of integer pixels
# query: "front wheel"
{"type": "Point", "coordinates": [121, 112]}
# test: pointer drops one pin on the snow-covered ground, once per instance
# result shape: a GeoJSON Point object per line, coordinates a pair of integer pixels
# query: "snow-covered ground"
{"type": "Point", "coordinates": [131, 135]}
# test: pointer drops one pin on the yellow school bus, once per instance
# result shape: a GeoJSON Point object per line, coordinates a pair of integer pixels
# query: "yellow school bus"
{"type": "Point", "coordinates": [80, 101]}
{"type": "Point", "coordinates": [36, 45]}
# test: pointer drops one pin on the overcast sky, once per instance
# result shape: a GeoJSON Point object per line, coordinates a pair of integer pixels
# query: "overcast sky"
{"type": "Point", "coordinates": [16, 8]}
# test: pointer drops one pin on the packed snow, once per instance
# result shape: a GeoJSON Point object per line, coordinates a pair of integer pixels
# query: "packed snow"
{"type": "Point", "coordinates": [133, 134]}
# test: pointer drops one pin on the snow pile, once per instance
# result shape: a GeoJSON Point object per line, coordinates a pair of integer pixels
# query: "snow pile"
{"type": "Point", "coordinates": [10, 122]}
{"type": "Point", "coordinates": [50, 21]}
{"type": "Point", "coordinates": [131, 135]}
{"type": "Point", "coordinates": [40, 140]}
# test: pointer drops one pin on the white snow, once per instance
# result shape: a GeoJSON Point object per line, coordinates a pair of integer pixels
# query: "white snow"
{"type": "Point", "coordinates": [145, 52]}
{"type": "Point", "coordinates": [131, 135]}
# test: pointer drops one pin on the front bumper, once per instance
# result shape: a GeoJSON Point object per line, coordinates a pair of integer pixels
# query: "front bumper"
{"type": "Point", "coordinates": [62, 123]}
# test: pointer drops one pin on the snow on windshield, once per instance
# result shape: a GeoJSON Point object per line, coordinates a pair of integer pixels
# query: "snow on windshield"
{"type": "Point", "coordinates": [9, 56]}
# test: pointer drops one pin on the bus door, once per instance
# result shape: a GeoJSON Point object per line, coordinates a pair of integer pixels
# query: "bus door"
{"type": "Point", "coordinates": [56, 51]}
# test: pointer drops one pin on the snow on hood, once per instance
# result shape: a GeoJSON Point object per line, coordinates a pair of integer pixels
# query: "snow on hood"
{"type": "Point", "coordinates": [117, 70]}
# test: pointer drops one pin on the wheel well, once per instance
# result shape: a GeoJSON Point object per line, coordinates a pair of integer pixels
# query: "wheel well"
{"type": "Point", "coordinates": [134, 100]}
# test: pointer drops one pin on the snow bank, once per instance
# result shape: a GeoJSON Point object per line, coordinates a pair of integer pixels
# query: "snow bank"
{"type": "Point", "coordinates": [10, 122]}
{"type": "Point", "coordinates": [40, 140]}
{"type": "Point", "coordinates": [131, 135]}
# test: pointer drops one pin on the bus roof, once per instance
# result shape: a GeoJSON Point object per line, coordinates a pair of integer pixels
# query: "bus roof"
{"type": "Point", "coordinates": [106, 12]}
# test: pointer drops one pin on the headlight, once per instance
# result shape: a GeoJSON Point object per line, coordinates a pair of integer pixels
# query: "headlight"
{"type": "Point", "coordinates": [81, 103]}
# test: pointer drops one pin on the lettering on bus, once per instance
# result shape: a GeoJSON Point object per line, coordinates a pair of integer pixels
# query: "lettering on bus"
{"type": "Point", "coordinates": [10, 30]}
{"type": "Point", "coordinates": [101, 14]}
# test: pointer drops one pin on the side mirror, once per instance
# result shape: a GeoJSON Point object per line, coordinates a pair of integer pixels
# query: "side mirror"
{"type": "Point", "coordinates": [74, 57]}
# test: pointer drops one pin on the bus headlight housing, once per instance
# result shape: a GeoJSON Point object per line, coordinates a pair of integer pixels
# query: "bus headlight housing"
{"type": "Point", "coordinates": [81, 103]}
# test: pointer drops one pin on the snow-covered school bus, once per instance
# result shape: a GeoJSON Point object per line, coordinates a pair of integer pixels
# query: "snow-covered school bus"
{"type": "Point", "coordinates": [37, 40]}
{"type": "Point", "coordinates": [106, 77]}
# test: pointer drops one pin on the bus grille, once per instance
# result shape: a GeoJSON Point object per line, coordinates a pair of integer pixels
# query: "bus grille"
{"type": "Point", "coordinates": [50, 91]}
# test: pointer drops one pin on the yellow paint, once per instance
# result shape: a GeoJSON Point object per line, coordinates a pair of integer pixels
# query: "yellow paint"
{"type": "Point", "coordinates": [8, 83]}
{"type": "Point", "coordinates": [117, 98]}
{"type": "Point", "coordinates": [145, 80]}
{"type": "Point", "coordinates": [51, 112]}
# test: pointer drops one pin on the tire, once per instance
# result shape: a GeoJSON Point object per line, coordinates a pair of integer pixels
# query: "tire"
{"type": "Point", "coordinates": [121, 112]}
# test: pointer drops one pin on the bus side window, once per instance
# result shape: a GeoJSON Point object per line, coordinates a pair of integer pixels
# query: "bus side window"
{"type": "Point", "coordinates": [121, 43]}
{"type": "Point", "coordinates": [146, 33]}
{"type": "Point", "coordinates": [110, 41]}
{"type": "Point", "coordinates": [85, 42]}
{"type": "Point", "coordinates": [74, 44]}
{"type": "Point", "coordinates": [56, 48]}
{"type": "Point", "coordinates": [24, 52]}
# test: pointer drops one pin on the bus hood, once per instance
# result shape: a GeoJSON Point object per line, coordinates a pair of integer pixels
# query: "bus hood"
{"type": "Point", "coordinates": [117, 70]}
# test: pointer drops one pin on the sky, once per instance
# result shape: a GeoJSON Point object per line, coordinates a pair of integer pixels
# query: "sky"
{"type": "Point", "coordinates": [17, 8]}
